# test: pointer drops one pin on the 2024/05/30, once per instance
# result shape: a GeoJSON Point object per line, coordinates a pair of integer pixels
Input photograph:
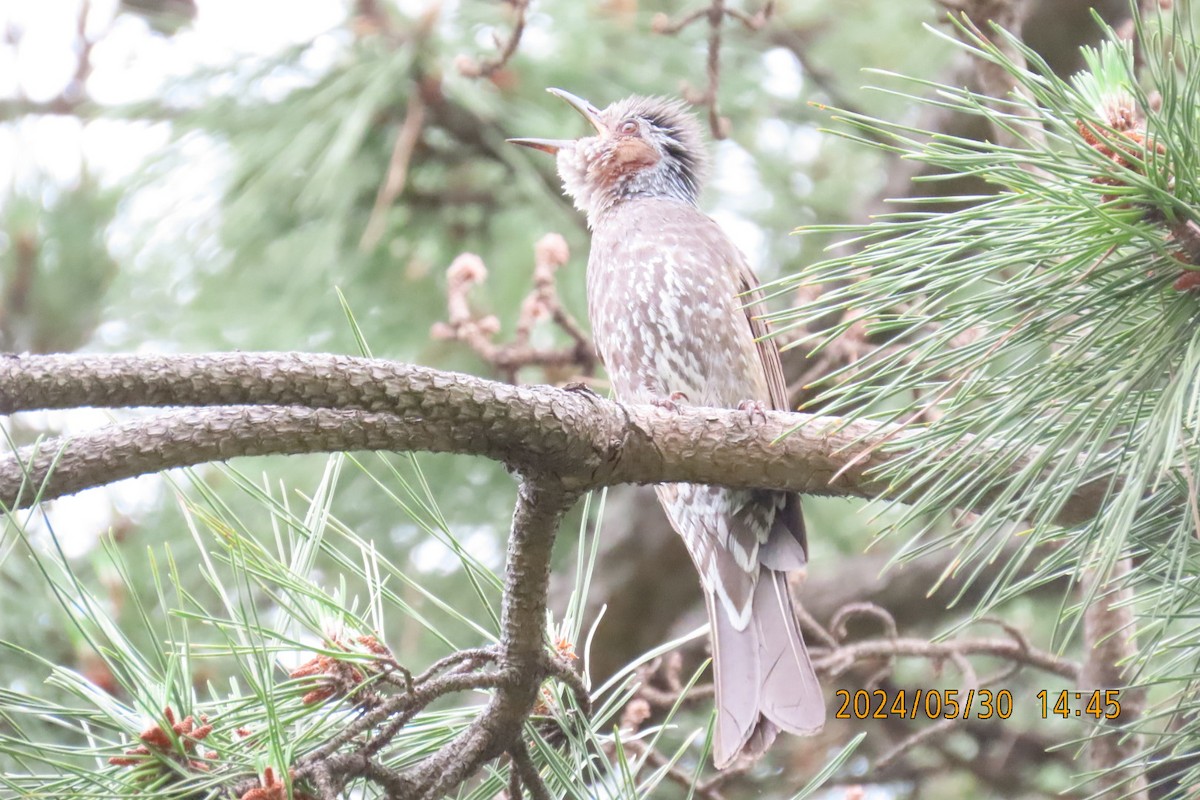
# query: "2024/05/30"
{"type": "Point", "coordinates": [928, 703]}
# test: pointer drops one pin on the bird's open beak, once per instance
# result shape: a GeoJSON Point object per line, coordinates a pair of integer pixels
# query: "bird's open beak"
{"type": "Point", "coordinates": [585, 109]}
{"type": "Point", "coordinates": [550, 146]}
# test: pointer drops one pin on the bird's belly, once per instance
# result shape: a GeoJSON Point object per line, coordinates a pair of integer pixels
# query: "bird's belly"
{"type": "Point", "coordinates": [660, 330]}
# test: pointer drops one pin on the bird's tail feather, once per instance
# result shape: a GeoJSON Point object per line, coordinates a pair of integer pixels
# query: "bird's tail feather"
{"type": "Point", "coordinates": [764, 678]}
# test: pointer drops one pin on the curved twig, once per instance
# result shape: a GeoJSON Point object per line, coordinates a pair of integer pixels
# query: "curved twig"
{"type": "Point", "coordinates": [472, 68]}
{"type": "Point", "coordinates": [837, 661]}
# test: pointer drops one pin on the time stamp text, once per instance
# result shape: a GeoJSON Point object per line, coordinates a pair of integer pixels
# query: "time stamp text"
{"type": "Point", "coordinates": [973, 703]}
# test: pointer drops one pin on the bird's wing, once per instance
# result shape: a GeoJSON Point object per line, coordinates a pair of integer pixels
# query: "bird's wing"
{"type": "Point", "coordinates": [768, 348]}
{"type": "Point", "coordinates": [778, 550]}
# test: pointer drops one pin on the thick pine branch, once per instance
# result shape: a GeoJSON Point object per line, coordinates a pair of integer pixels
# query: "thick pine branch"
{"type": "Point", "coordinates": [277, 403]}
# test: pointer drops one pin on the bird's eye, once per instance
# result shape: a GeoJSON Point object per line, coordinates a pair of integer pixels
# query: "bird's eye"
{"type": "Point", "coordinates": [628, 127]}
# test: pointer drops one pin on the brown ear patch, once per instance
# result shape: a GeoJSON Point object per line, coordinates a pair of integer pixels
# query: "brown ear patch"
{"type": "Point", "coordinates": [634, 154]}
{"type": "Point", "coordinates": [623, 157]}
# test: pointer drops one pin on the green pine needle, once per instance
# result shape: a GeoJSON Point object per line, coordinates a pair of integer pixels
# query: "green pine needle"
{"type": "Point", "coordinates": [1030, 341]}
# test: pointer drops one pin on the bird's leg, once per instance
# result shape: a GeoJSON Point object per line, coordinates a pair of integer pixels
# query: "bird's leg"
{"type": "Point", "coordinates": [671, 402]}
{"type": "Point", "coordinates": [754, 408]}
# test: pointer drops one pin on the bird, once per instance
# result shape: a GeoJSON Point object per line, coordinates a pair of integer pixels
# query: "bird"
{"type": "Point", "coordinates": [677, 316]}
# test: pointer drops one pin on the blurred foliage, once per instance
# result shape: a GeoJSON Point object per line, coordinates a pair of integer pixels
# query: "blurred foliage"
{"type": "Point", "coordinates": [55, 266]}
{"type": "Point", "coordinates": [1047, 338]}
{"type": "Point", "coordinates": [218, 640]}
{"type": "Point", "coordinates": [236, 232]}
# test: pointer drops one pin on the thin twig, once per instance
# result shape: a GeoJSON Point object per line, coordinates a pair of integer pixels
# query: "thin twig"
{"type": "Point", "coordinates": [397, 172]}
{"type": "Point", "coordinates": [755, 21]}
{"type": "Point", "coordinates": [660, 699]}
{"type": "Point", "coordinates": [509, 358]}
{"type": "Point", "coordinates": [925, 734]}
{"type": "Point", "coordinates": [718, 125]}
{"type": "Point", "coordinates": [514, 782]}
{"type": "Point", "coordinates": [662, 24]}
{"type": "Point", "coordinates": [838, 661]}
{"type": "Point", "coordinates": [522, 665]}
{"type": "Point", "coordinates": [715, 13]}
{"type": "Point", "coordinates": [523, 766]}
{"type": "Point", "coordinates": [809, 623]}
{"type": "Point", "coordinates": [472, 68]}
{"type": "Point", "coordinates": [837, 626]}
{"type": "Point", "coordinates": [705, 790]}
{"type": "Point", "coordinates": [477, 654]}
{"type": "Point", "coordinates": [563, 671]}
{"type": "Point", "coordinates": [403, 704]}
{"type": "Point", "coordinates": [1109, 646]}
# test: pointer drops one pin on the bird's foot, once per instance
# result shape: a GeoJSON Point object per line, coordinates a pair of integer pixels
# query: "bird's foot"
{"type": "Point", "coordinates": [670, 403]}
{"type": "Point", "coordinates": [754, 408]}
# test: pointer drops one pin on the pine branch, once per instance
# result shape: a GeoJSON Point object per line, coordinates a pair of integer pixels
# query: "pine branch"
{"type": "Point", "coordinates": [1110, 647]}
{"type": "Point", "coordinates": [541, 502]}
{"type": "Point", "coordinates": [277, 403]}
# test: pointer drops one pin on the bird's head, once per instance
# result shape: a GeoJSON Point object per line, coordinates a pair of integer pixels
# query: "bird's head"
{"type": "Point", "coordinates": [642, 147]}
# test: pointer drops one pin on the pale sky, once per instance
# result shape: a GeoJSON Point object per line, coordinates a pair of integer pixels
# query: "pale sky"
{"type": "Point", "coordinates": [130, 63]}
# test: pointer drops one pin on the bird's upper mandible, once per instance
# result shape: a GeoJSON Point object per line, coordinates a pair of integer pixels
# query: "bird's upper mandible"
{"type": "Point", "coordinates": [641, 147]}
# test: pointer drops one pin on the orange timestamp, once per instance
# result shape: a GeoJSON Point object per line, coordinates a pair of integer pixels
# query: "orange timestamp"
{"type": "Point", "coordinates": [1097, 703]}
{"type": "Point", "coordinates": [927, 703]}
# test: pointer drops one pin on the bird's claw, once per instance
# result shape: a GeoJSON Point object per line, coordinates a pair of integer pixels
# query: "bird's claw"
{"type": "Point", "coordinates": [670, 403]}
{"type": "Point", "coordinates": [754, 408]}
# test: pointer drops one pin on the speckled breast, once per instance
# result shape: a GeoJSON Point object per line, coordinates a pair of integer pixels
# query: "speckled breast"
{"type": "Point", "coordinates": [664, 306]}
